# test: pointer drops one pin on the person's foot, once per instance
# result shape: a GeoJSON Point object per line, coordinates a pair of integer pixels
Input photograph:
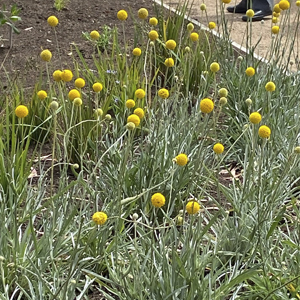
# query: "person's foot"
{"type": "Point", "coordinates": [258, 15]}
{"type": "Point", "coordinates": [240, 8]}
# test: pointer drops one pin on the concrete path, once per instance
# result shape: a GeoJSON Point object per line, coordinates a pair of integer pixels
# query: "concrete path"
{"type": "Point", "coordinates": [268, 45]}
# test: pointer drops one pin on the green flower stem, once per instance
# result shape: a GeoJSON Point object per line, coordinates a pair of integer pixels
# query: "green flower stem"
{"type": "Point", "coordinates": [54, 115]}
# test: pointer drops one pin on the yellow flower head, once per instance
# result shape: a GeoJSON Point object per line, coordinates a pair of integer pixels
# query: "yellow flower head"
{"type": "Point", "coordinates": [57, 75]}
{"type": "Point", "coordinates": [277, 8]}
{"type": "Point", "coordinates": [130, 103]}
{"type": "Point", "coordinates": [297, 150]}
{"type": "Point", "coordinates": [194, 36]}
{"type": "Point", "coordinates": [284, 4]}
{"type": "Point", "coordinates": [211, 25]}
{"type": "Point", "coordinates": [255, 118]}
{"type": "Point", "coordinates": [139, 112]}
{"type": "Point", "coordinates": [250, 71]}
{"type": "Point", "coordinates": [218, 148]}
{"type": "Point", "coordinates": [170, 44]}
{"type": "Point", "coordinates": [42, 94]}
{"type": "Point", "coordinates": [275, 29]}
{"type": "Point", "coordinates": [46, 55]}
{"type": "Point", "coordinates": [203, 7]}
{"type": "Point", "coordinates": [140, 93]}
{"type": "Point", "coordinates": [136, 51]}
{"type": "Point", "coordinates": [153, 21]}
{"type": "Point", "coordinates": [143, 13]}
{"type": "Point", "coordinates": [122, 15]}
{"type": "Point", "coordinates": [181, 159]}
{"type": "Point", "coordinates": [79, 83]}
{"type": "Point", "coordinates": [163, 93]}
{"type": "Point", "coordinates": [270, 86]}
{"type": "Point", "coordinates": [21, 111]}
{"type": "Point", "coordinates": [276, 15]}
{"type": "Point", "coordinates": [98, 112]}
{"type": "Point", "coordinates": [214, 67]}
{"type": "Point", "coordinates": [52, 21]}
{"type": "Point", "coordinates": [66, 75]}
{"type": "Point", "coordinates": [73, 94]}
{"type": "Point", "coordinates": [250, 13]}
{"type": "Point", "coordinates": [94, 35]}
{"type": "Point", "coordinates": [226, 1]}
{"type": "Point", "coordinates": [77, 102]}
{"type": "Point", "coordinates": [54, 105]}
{"type": "Point", "coordinates": [97, 87]}
{"type": "Point", "coordinates": [206, 105]}
{"type": "Point", "coordinates": [298, 3]}
{"type": "Point", "coordinates": [153, 35]}
{"type": "Point", "coordinates": [158, 200]}
{"type": "Point", "coordinates": [264, 131]}
{"type": "Point", "coordinates": [275, 20]}
{"type": "Point", "coordinates": [192, 207]}
{"type": "Point", "coordinates": [223, 92]}
{"type": "Point", "coordinates": [169, 62]}
{"type": "Point", "coordinates": [99, 218]}
{"type": "Point", "coordinates": [134, 119]}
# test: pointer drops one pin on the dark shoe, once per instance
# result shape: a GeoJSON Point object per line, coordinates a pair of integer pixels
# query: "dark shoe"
{"type": "Point", "coordinates": [241, 8]}
{"type": "Point", "coordinates": [258, 15]}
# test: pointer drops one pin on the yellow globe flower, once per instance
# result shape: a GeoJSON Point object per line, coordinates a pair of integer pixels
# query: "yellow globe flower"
{"type": "Point", "coordinates": [57, 75]}
{"type": "Point", "coordinates": [169, 62]}
{"type": "Point", "coordinates": [134, 119]}
{"type": "Point", "coordinates": [153, 35]}
{"type": "Point", "coordinates": [203, 7]}
{"type": "Point", "coordinates": [277, 15]}
{"type": "Point", "coordinates": [250, 71]}
{"type": "Point", "coordinates": [270, 86]}
{"type": "Point", "coordinates": [170, 44]}
{"type": "Point", "coordinates": [206, 105]}
{"type": "Point", "coordinates": [98, 112]}
{"type": "Point", "coordinates": [194, 36]}
{"type": "Point", "coordinates": [181, 159]}
{"type": "Point", "coordinates": [52, 21]}
{"type": "Point", "coordinates": [66, 75]}
{"type": "Point", "coordinates": [73, 94]}
{"type": "Point", "coordinates": [136, 51]}
{"type": "Point", "coordinates": [284, 4]}
{"type": "Point", "coordinates": [140, 93]}
{"type": "Point", "coordinates": [223, 101]}
{"type": "Point", "coordinates": [275, 29]}
{"type": "Point", "coordinates": [130, 103]}
{"type": "Point", "coordinates": [223, 92]}
{"type": "Point", "coordinates": [214, 67]}
{"type": "Point", "coordinates": [99, 218]}
{"type": "Point", "coordinates": [163, 93]}
{"type": "Point", "coordinates": [143, 13]}
{"type": "Point", "coordinates": [139, 112]}
{"type": "Point", "coordinates": [255, 118]}
{"type": "Point", "coordinates": [277, 8]}
{"type": "Point", "coordinates": [211, 25]}
{"type": "Point", "coordinates": [46, 55]}
{"type": "Point", "coordinates": [158, 200]}
{"type": "Point", "coordinates": [79, 83]}
{"type": "Point", "coordinates": [192, 207]}
{"type": "Point", "coordinates": [97, 87]}
{"type": "Point", "coordinates": [54, 105]}
{"type": "Point", "coordinates": [21, 111]}
{"type": "Point", "coordinates": [153, 21]}
{"type": "Point", "coordinates": [122, 15]}
{"type": "Point", "coordinates": [264, 131]}
{"type": "Point", "coordinates": [297, 149]}
{"type": "Point", "coordinates": [77, 102]}
{"type": "Point", "coordinates": [298, 3]}
{"type": "Point", "coordinates": [275, 20]}
{"type": "Point", "coordinates": [250, 13]}
{"type": "Point", "coordinates": [94, 35]}
{"type": "Point", "coordinates": [226, 1]}
{"type": "Point", "coordinates": [218, 148]}
{"type": "Point", "coordinates": [42, 94]}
